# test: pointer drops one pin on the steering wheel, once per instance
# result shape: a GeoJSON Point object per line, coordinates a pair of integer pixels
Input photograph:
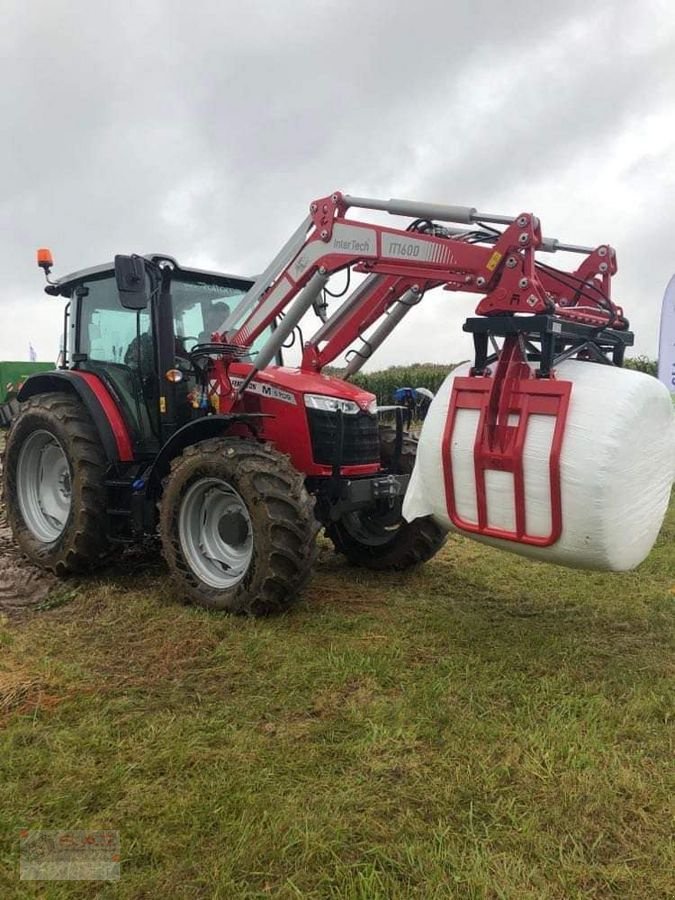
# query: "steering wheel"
{"type": "Point", "coordinates": [186, 337]}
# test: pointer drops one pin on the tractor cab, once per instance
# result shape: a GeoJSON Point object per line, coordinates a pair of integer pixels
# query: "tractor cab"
{"type": "Point", "coordinates": [135, 325]}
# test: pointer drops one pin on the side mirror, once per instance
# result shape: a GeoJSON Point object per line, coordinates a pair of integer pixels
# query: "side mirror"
{"type": "Point", "coordinates": [131, 281]}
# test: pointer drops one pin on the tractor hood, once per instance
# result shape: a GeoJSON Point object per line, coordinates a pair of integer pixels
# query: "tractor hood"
{"type": "Point", "coordinates": [297, 381]}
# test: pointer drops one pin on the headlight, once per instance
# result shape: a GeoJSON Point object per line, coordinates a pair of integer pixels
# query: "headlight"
{"type": "Point", "coordinates": [331, 404]}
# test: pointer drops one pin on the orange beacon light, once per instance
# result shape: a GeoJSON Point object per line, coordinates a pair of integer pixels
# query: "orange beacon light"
{"type": "Point", "coordinates": [45, 259]}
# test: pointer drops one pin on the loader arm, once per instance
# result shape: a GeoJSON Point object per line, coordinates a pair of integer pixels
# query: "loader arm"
{"type": "Point", "coordinates": [402, 264]}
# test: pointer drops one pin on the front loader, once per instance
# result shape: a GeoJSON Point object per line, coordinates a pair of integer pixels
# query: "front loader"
{"type": "Point", "coordinates": [172, 411]}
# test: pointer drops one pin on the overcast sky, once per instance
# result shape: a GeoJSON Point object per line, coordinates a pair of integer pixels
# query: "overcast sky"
{"type": "Point", "coordinates": [204, 129]}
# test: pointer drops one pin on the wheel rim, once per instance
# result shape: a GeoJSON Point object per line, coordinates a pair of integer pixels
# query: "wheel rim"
{"type": "Point", "coordinates": [44, 486]}
{"type": "Point", "coordinates": [215, 533]}
{"type": "Point", "coordinates": [374, 528]}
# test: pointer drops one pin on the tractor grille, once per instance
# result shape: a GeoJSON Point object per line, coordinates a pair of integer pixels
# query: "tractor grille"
{"type": "Point", "coordinates": [361, 439]}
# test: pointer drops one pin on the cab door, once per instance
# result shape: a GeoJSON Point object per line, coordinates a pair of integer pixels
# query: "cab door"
{"type": "Point", "coordinates": [118, 345]}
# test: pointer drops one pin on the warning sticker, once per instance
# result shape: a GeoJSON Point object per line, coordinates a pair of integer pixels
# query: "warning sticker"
{"type": "Point", "coordinates": [493, 262]}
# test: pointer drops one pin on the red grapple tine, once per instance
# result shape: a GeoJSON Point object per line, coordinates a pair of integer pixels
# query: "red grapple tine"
{"type": "Point", "coordinates": [499, 446]}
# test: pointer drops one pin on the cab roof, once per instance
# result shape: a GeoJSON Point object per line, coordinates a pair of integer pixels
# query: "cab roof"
{"type": "Point", "coordinates": [62, 287]}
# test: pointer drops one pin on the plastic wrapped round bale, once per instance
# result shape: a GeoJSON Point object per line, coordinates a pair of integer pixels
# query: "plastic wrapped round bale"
{"type": "Point", "coordinates": [617, 467]}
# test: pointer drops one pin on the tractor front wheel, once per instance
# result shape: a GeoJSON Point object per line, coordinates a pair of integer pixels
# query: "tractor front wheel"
{"type": "Point", "coordinates": [237, 526]}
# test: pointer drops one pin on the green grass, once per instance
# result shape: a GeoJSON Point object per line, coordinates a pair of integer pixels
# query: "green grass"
{"type": "Point", "coordinates": [484, 728]}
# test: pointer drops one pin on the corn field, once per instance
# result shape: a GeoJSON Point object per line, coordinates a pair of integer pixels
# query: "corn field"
{"type": "Point", "coordinates": [384, 383]}
{"type": "Point", "coordinates": [431, 376]}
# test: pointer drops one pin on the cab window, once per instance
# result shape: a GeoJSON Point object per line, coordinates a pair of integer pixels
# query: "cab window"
{"type": "Point", "coordinates": [107, 330]}
{"type": "Point", "coordinates": [202, 307]}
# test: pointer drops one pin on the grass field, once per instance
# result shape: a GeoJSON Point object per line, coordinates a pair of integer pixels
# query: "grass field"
{"type": "Point", "coordinates": [486, 727]}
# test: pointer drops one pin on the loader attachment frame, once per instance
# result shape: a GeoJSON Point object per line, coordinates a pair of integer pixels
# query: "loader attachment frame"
{"type": "Point", "coordinates": [505, 405]}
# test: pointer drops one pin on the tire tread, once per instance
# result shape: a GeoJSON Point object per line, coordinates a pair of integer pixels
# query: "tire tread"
{"type": "Point", "coordinates": [290, 532]}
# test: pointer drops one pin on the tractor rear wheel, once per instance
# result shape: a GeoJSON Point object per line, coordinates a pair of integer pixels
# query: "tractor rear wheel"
{"type": "Point", "coordinates": [237, 526]}
{"type": "Point", "coordinates": [54, 484]}
{"type": "Point", "coordinates": [380, 538]}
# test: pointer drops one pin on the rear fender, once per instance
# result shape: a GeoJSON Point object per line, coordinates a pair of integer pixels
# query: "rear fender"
{"type": "Point", "coordinates": [97, 399]}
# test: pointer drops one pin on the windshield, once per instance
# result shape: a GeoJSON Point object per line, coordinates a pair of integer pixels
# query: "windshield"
{"type": "Point", "coordinates": [201, 307]}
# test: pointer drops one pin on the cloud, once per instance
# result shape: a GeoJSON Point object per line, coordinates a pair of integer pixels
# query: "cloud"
{"type": "Point", "coordinates": [205, 129]}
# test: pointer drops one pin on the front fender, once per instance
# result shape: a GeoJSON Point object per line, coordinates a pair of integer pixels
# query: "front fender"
{"type": "Point", "coordinates": [192, 433]}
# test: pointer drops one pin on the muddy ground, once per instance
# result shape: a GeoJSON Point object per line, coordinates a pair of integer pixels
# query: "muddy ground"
{"type": "Point", "coordinates": [23, 587]}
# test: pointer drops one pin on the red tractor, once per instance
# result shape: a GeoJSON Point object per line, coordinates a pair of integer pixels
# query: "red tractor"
{"type": "Point", "coordinates": [172, 411]}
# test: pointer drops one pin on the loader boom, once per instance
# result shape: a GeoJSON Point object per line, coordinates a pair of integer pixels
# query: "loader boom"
{"type": "Point", "coordinates": [401, 265]}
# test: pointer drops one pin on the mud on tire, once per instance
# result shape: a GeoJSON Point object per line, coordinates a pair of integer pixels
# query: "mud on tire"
{"type": "Point", "coordinates": [382, 539]}
{"type": "Point", "coordinates": [82, 542]}
{"type": "Point", "coordinates": [255, 516]}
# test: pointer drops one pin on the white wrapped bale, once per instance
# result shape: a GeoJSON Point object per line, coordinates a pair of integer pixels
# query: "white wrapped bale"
{"type": "Point", "coordinates": [616, 469]}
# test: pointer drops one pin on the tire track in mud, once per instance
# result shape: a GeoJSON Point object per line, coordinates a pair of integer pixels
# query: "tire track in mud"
{"type": "Point", "coordinates": [22, 585]}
